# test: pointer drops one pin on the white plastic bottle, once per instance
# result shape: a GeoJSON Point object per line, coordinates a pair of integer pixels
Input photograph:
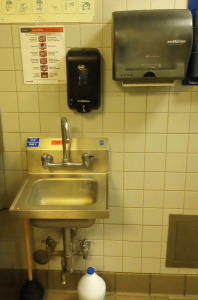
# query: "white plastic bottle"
{"type": "Point", "coordinates": [91, 286]}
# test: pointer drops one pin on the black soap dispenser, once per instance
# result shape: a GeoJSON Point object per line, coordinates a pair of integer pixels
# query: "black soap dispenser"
{"type": "Point", "coordinates": [194, 57]}
{"type": "Point", "coordinates": [83, 79]}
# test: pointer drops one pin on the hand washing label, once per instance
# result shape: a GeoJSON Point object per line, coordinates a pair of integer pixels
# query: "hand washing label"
{"type": "Point", "coordinates": [32, 142]}
{"type": "Point", "coordinates": [101, 143]}
{"type": "Point", "coordinates": [56, 142]}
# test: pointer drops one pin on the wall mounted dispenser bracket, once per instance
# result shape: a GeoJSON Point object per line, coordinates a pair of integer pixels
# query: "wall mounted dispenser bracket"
{"type": "Point", "coordinates": [83, 79]}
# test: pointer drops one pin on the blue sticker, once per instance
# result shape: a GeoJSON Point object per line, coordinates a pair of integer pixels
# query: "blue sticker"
{"type": "Point", "coordinates": [33, 142]}
{"type": "Point", "coordinates": [101, 143]}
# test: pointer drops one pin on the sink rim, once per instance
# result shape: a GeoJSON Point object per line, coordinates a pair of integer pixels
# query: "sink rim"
{"type": "Point", "coordinates": [97, 210]}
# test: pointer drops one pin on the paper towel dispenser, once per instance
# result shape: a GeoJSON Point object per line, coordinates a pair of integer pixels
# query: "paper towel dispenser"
{"type": "Point", "coordinates": [151, 47]}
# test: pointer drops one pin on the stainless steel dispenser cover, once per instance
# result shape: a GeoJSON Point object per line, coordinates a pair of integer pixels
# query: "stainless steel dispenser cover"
{"type": "Point", "coordinates": [151, 46]}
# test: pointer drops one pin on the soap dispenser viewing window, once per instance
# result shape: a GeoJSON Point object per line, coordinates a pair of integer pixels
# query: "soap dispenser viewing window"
{"type": "Point", "coordinates": [83, 79]}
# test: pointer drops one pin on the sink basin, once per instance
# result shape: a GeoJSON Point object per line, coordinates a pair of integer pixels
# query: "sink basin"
{"type": "Point", "coordinates": [60, 200]}
{"type": "Point", "coordinates": [70, 196]}
{"type": "Point", "coordinates": [63, 191]}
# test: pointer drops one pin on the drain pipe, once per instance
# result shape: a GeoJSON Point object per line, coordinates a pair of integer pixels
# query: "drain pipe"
{"type": "Point", "coordinates": [67, 249]}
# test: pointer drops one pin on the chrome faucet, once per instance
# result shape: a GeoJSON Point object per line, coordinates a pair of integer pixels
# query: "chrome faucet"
{"type": "Point", "coordinates": [48, 160]}
{"type": "Point", "coordinates": [65, 138]}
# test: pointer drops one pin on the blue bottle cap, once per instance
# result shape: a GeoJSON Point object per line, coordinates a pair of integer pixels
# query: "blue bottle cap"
{"type": "Point", "coordinates": [90, 270]}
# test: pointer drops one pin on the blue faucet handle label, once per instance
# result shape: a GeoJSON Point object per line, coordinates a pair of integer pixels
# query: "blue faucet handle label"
{"type": "Point", "coordinates": [101, 143]}
{"type": "Point", "coordinates": [32, 142]}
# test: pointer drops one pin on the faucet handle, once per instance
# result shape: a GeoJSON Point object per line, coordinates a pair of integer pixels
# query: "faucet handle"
{"type": "Point", "coordinates": [86, 158]}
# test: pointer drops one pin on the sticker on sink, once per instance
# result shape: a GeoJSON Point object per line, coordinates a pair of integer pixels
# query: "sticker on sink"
{"type": "Point", "coordinates": [56, 142]}
{"type": "Point", "coordinates": [101, 143]}
{"type": "Point", "coordinates": [32, 142]}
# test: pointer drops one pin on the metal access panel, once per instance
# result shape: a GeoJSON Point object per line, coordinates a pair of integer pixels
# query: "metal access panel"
{"type": "Point", "coordinates": [182, 244]}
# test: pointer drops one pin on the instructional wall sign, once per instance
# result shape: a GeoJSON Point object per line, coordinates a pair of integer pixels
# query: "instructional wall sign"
{"type": "Point", "coordinates": [43, 54]}
{"type": "Point", "coordinates": [25, 11]}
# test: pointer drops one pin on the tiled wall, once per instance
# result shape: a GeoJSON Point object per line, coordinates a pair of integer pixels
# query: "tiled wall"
{"type": "Point", "coordinates": [153, 135]}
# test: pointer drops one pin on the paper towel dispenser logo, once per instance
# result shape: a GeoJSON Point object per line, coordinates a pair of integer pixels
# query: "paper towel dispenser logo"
{"type": "Point", "coordinates": [176, 42]}
{"type": "Point", "coordinates": [145, 45]}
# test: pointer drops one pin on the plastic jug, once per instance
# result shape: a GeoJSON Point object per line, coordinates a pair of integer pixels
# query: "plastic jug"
{"type": "Point", "coordinates": [91, 286]}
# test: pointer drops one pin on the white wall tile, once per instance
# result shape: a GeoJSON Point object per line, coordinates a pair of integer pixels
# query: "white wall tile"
{"type": "Point", "coordinates": [173, 199]}
{"type": "Point", "coordinates": [134, 142]}
{"type": "Point", "coordinates": [132, 216]}
{"type": "Point", "coordinates": [93, 38]}
{"type": "Point", "coordinates": [28, 101]}
{"type": "Point", "coordinates": [154, 181]}
{"type": "Point", "coordinates": [154, 162]}
{"type": "Point", "coordinates": [155, 143]}
{"type": "Point", "coordinates": [132, 233]}
{"type": "Point", "coordinates": [112, 263]}
{"type": "Point", "coordinates": [6, 59]}
{"type": "Point", "coordinates": [29, 122]}
{"type": "Point", "coordinates": [162, 4]}
{"type": "Point", "coordinates": [152, 216]}
{"type": "Point", "coordinates": [157, 102]}
{"type": "Point", "coordinates": [6, 35]}
{"type": "Point", "coordinates": [180, 102]}
{"type": "Point", "coordinates": [136, 4]}
{"type": "Point", "coordinates": [72, 35]}
{"type": "Point", "coordinates": [156, 122]}
{"type": "Point", "coordinates": [134, 162]}
{"type": "Point", "coordinates": [113, 122]}
{"type": "Point", "coordinates": [113, 102]}
{"type": "Point", "coordinates": [8, 102]}
{"type": "Point", "coordinates": [112, 248]}
{"type": "Point", "coordinates": [177, 143]}
{"type": "Point", "coordinates": [133, 198]}
{"type": "Point", "coordinates": [135, 122]}
{"type": "Point", "coordinates": [112, 232]}
{"type": "Point", "coordinates": [152, 233]}
{"type": "Point", "coordinates": [153, 198]}
{"type": "Point", "coordinates": [7, 81]}
{"type": "Point", "coordinates": [132, 249]}
{"type": "Point", "coordinates": [175, 181]}
{"type": "Point", "coordinates": [131, 264]}
{"type": "Point", "coordinates": [151, 249]}
{"type": "Point", "coordinates": [135, 102]}
{"type": "Point", "coordinates": [178, 123]}
{"type": "Point", "coordinates": [133, 180]}
{"type": "Point", "coordinates": [110, 6]}
{"type": "Point", "coordinates": [176, 162]}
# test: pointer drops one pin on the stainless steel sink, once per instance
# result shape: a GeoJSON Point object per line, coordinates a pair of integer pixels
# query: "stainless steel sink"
{"type": "Point", "coordinates": [63, 191]}
{"type": "Point", "coordinates": [71, 196]}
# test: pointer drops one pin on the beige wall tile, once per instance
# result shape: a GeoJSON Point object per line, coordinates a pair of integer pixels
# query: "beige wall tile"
{"type": "Point", "coordinates": [133, 180]}
{"type": "Point", "coordinates": [93, 38]}
{"type": "Point", "coordinates": [29, 122]}
{"type": "Point", "coordinates": [173, 199]}
{"type": "Point", "coordinates": [112, 263]}
{"type": "Point", "coordinates": [194, 123]}
{"type": "Point", "coordinates": [136, 4]}
{"type": "Point", "coordinates": [178, 123]}
{"type": "Point", "coordinates": [115, 216]}
{"type": "Point", "coordinates": [72, 35]}
{"type": "Point", "coordinates": [155, 143]}
{"type": "Point", "coordinates": [7, 81]}
{"type": "Point", "coordinates": [106, 35]}
{"type": "Point", "coordinates": [28, 101]}
{"type": "Point", "coordinates": [113, 232]}
{"type": "Point", "coordinates": [133, 198]}
{"type": "Point", "coordinates": [21, 87]}
{"type": "Point", "coordinates": [97, 261]}
{"type": "Point", "coordinates": [176, 162]}
{"type": "Point", "coordinates": [110, 6]}
{"type": "Point", "coordinates": [192, 163]}
{"type": "Point", "coordinates": [18, 59]}
{"type": "Point", "coordinates": [115, 197]}
{"type": "Point", "coordinates": [6, 35]}
{"type": "Point", "coordinates": [152, 216]}
{"type": "Point", "coordinates": [132, 249]}
{"type": "Point", "coordinates": [156, 122]}
{"type": "Point", "coordinates": [175, 181]}
{"type": "Point", "coordinates": [150, 265]}
{"type": "Point", "coordinates": [116, 180]}
{"type": "Point", "coordinates": [113, 102]}
{"type": "Point", "coordinates": [154, 181]}
{"type": "Point", "coordinates": [135, 122]}
{"type": "Point", "coordinates": [11, 142]}
{"type": "Point", "coordinates": [132, 264]}
{"type": "Point", "coordinates": [157, 102]}
{"type": "Point", "coordinates": [6, 59]}
{"type": "Point", "coordinates": [12, 161]}
{"type": "Point", "coordinates": [8, 102]}
{"type": "Point", "coordinates": [191, 200]}
{"type": "Point", "coordinates": [134, 142]}
{"type": "Point", "coordinates": [132, 216]}
{"type": "Point", "coordinates": [151, 249]}
{"type": "Point", "coordinates": [152, 233]}
{"type": "Point", "coordinates": [132, 233]}
{"type": "Point", "coordinates": [177, 143]}
{"type": "Point", "coordinates": [134, 162]}
{"type": "Point", "coordinates": [49, 102]}
{"type": "Point", "coordinates": [10, 122]}
{"type": "Point", "coordinates": [107, 58]}
{"type": "Point", "coordinates": [154, 162]}
{"type": "Point", "coordinates": [116, 162]}
{"type": "Point", "coordinates": [112, 248]}
{"type": "Point", "coordinates": [113, 122]}
{"type": "Point", "coordinates": [163, 4]}
{"type": "Point", "coordinates": [50, 122]}
{"type": "Point", "coordinates": [135, 102]}
{"type": "Point", "coordinates": [180, 102]}
{"type": "Point", "coordinates": [153, 198]}
{"type": "Point", "coordinates": [191, 181]}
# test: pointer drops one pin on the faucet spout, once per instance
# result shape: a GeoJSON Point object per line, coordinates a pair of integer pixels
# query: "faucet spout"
{"type": "Point", "coordinates": [65, 138]}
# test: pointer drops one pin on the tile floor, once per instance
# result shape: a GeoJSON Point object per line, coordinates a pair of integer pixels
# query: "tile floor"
{"type": "Point", "coordinates": [59, 295]}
